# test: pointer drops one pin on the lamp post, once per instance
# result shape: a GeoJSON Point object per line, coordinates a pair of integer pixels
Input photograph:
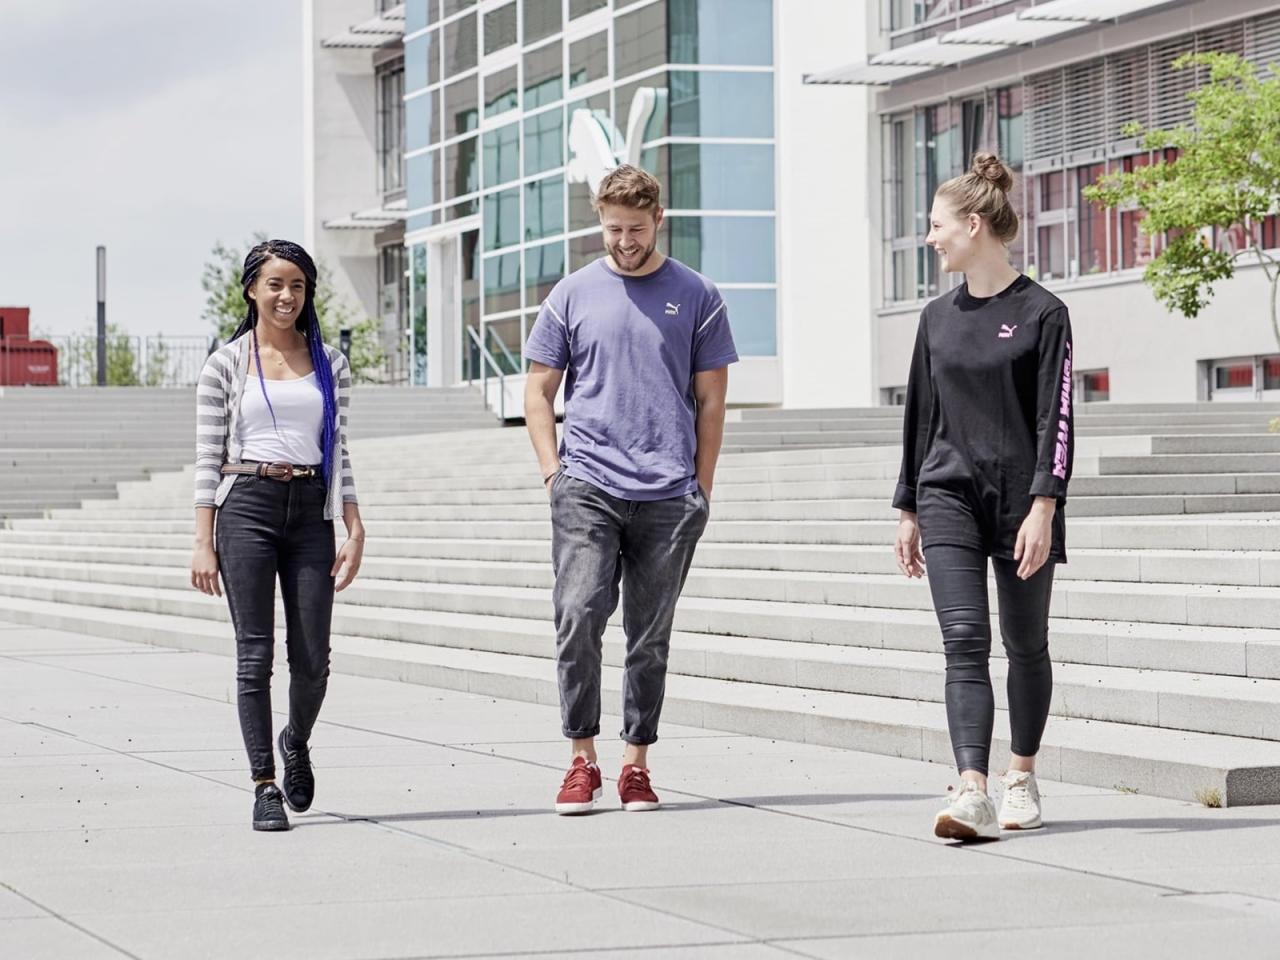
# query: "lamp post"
{"type": "Point", "coordinates": [102, 316]}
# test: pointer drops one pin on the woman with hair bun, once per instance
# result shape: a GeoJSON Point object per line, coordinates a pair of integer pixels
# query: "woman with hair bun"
{"type": "Point", "coordinates": [988, 441]}
{"type": "Point", "coordinates": [272, 464]}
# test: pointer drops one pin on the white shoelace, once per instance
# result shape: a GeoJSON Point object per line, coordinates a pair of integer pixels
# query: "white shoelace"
{"type": "Point", "coordinates": [1017, 794]}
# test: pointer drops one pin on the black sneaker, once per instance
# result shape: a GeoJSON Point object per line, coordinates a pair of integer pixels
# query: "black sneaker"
{"type": "Point", "coordinates": [268, 808]}
{"type": "Point", "coordinates": [298, 782]}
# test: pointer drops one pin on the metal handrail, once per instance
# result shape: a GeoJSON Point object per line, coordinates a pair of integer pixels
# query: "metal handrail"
{"type": "Point", "coordinates": [484, 374]}
{"type": "Point", "coordinates": [515, 367]}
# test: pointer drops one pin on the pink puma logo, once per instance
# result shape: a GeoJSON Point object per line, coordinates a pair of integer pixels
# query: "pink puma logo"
{"type": "Point", "coordinates": [1006, 331]}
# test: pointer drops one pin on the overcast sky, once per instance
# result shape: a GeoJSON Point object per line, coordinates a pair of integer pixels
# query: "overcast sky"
{"type": "Point", "coordinates": [154, 127]}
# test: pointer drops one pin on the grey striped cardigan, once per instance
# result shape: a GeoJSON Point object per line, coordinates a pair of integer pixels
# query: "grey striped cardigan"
{"type": "Point", "coordinates": [218, 394]}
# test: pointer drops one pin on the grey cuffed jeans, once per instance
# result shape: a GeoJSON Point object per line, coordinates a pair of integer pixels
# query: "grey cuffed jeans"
{"type": "Point", "coordinates": [599, 541]}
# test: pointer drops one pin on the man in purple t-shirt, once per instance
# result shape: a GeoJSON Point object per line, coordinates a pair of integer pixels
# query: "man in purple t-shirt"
{"type": "Point", "coordinates": [643, 345]}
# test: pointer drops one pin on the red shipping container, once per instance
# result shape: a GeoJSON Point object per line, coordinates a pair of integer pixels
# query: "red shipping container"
{"type": "Point", "coordinates": [23, 361]}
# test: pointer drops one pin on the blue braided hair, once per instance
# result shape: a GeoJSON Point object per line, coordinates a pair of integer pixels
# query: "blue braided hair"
{"type": "Point", "coordinates": [308, 324]}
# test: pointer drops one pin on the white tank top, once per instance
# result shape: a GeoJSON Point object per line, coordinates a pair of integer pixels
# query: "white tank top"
{"type": "Point", "coordinates": [295, 435]}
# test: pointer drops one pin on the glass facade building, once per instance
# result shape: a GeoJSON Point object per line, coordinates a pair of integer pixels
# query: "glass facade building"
{"type": "Point", "coordinates": [490, 91]}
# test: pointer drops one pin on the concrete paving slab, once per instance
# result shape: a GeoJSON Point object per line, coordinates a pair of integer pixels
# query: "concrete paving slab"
{"type": "Point", "coordinates": [1036, 897]}
{"type": "Point", "coordinates": [14, 907]}
{"type": "Point", "coordinates": [548, 923]}
{"type": "Point", "coordinates": [310, 869]}
{"type": "Point", "coordinates": [50, 938]}
{"type": "Point", "coordinates": [433, 835]}
{"type": "Point", "coordinates": [1199, 938]}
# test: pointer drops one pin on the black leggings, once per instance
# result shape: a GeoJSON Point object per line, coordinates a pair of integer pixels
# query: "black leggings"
{"type": "Point", "coordinates": [958, 579]}
{"type": "Point", "coordinates": [267, 529]}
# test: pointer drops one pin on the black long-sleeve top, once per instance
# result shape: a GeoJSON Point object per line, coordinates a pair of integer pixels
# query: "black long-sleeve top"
{"type": "Point", "coordinates": [989, 417]}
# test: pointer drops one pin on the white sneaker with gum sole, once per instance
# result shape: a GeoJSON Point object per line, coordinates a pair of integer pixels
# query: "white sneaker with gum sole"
{"type": "Point", "coordinates": [968, 815]}
{"type": "Point", "coordinates": [1020, 808]}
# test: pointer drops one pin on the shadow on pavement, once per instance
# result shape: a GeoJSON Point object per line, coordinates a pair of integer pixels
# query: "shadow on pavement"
{"type": "Point", "coordinates": [331, 817]}
{"type": "Point", "coordinates": [1149, 824]}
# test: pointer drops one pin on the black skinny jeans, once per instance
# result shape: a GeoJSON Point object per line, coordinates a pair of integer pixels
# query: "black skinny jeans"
{"type": "Point", "coordinates": [265, 529]}
{"type": "Point", "coordinates": [958, 580]}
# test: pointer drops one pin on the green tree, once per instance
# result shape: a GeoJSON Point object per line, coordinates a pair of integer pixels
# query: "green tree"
{"type": "Point", "coordinates": [224, 308]}
{"type": "Point", "coordinates": [1226, 174]}
{"type": "Point", "coordinates": [158, 372]}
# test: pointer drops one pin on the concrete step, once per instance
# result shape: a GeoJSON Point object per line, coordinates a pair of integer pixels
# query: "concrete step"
{"type": "Point", "coordinates": [1236, 706]}
{"type": "Point", "coordinates": [1151, 760]}
{"type": "Point", "coordinates": [1105, 408]}
{"type": "Point", "coordinates": [513, 476]}
{"type": "Point", "coordinates": [1226, 533]}
{"type": "Point", "coordinates": [1230, 705]}
{"type": "Point", "coordinates": [467, 560]}
{"type": "Point", "coordinates": [831, 437]}
{"type": "Point", "coordinates": [1191, 463]}
{"type": "Point", "coordinates": [517, 492]}
{"type": "Point", "coordinates": [714, 604]}
{"type": "Point", "coordinates": [1216, 533]}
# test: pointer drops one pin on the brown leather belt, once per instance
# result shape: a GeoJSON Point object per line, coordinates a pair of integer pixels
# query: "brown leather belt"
{"type": "Point", "coordinates": [276, 470]}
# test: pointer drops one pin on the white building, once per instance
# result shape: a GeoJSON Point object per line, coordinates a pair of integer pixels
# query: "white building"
{"type": "Point", "coordinates": [1050, 85]}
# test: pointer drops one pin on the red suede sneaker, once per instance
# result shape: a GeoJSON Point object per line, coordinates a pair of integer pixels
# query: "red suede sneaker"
{"type": "Point", "coordinates": [581, 788]}
{"type": "Point", "coordinates": [634, 790]}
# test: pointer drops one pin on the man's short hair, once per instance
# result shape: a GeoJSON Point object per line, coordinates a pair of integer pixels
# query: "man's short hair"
{"type": "Point", "coordinates": [628, 186]}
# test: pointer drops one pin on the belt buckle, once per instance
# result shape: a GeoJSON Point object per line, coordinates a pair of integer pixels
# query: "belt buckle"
{"type": "Point", "coordinates": [302, 471]}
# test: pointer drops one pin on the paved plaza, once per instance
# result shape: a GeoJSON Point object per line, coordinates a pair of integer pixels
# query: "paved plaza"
{"type": "Point", "coordinates": [125, 833]}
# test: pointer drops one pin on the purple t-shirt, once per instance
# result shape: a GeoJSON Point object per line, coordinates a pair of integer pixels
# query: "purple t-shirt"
{"type": "Point", "coordinates": [629, 347]}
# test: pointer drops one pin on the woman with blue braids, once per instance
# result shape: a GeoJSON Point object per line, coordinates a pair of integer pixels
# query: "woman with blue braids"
{"type": "Point", "coordinates": [272, 465]}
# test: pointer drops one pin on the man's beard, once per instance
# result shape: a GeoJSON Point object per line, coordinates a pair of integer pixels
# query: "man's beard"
{"type": "Point", "coordinates": [631, 264]}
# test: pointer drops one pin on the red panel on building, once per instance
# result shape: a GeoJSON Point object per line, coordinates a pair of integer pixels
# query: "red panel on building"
{"type": "Point", "coordinates": [23, 361]}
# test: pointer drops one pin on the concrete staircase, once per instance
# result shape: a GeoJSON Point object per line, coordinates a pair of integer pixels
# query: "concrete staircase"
{"type": "Point", "coordinates": [768, 429]}
{"type": "Point", "coordinates": [794, 623]}
{"type": "Point", "coordinates": [59, 447]}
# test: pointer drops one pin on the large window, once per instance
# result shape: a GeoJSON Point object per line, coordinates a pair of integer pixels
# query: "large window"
{"type": "Point", "coordinates": [542, 18]}
{"type": "Point", "coordinates": [753, 317]}
{"type": "Point", "coordinates": [543, 76]}
{"type": "Point", "coordinates": [502, 284]}
{"type": "Point", "coordinates": [421, 173]}
{"type": "Point", "coordinates": [729, 249]}
{"type": "Point", "coordinates": [718, 104]}
{"type": "Point", "coordinates": [543, 267]}
{"type": "Point", "coordinates": [462, 105]}
{"type": "Point", "coordinates": [489, 138]}
{"type": "Point", "coordinates": [721, 31]}
{"type": "Point", "coordinates": [461, 171]}
{"type": "Point", "coordinates": [500, 28]}
{"type": "Point", "coordinates": [460, 45]}
{"type": "Point", "coordinates": [422, 120]}
{"type": "Point", "coordinates": [640, 40]}
{"type": "Point", "coordinates": [588, 59]}
{"type": "Point", "coordinates": [1244, 378]}
{"type": "Point", "coordinates": [422, 60]}
{"type": "Point", "coordinates": [391, 144]}
{"type": "Point", "coordinates": [717, 176]}
{"type": "Point", "coordinates": [908, 21]}
{"type": "Point", "coordinates": [544, 208]}
{"type": "Point", "coordinates": [543, 141]}
{"type": "Point", "coordinates": [502, 219]}
{"type": "Point", "coordinates": [502, 155]}
{"type": "Point", "coordinates": [500, 93]}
